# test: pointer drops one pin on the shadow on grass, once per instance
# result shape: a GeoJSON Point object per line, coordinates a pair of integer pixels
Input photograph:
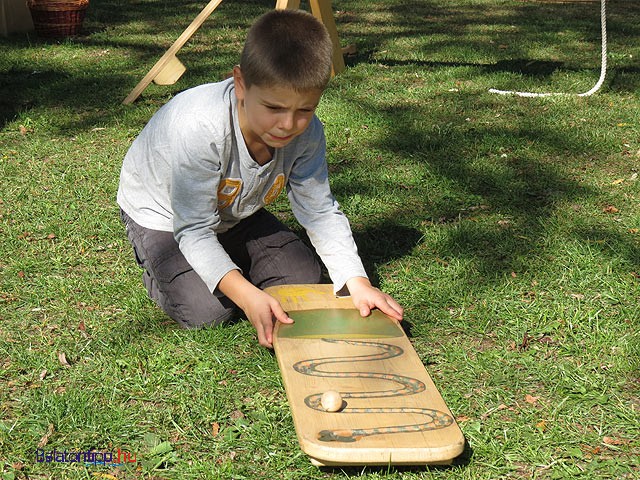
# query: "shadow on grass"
{"type": "Point", "coordinates": [87, 94]}
{"type": "Point", "coordinates": [526, 189]}
{"type": "Point", "coordinates": [511, 33]}
{"type": "Point", "coordinates": [382, 242]}
{"type": "Point", "coordinates": [530, 190]}
{"type": "Point", "coordinates": [138, 25]}
{"type": "Point", "coordinates": [114, 24]}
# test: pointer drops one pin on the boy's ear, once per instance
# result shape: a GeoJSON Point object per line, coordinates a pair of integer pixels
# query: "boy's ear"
{"type": "Point", "coordinates": [238, 80]}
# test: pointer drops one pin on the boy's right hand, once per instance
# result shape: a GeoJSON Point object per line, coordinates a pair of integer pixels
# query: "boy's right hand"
{"type": "Point", "coordinates": [259, 307]}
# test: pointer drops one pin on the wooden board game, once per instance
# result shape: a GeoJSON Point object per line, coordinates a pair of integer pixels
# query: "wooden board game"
{"type": "Point", "coordinates": [391, 411]}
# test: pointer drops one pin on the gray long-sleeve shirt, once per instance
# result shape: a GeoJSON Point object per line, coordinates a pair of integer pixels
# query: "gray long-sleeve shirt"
{"type": "Point", "coordinates": [189, 172]}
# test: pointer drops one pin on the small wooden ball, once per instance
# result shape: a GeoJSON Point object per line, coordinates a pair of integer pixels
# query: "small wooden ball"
{"type": "Point", "coordinates": [331, 401]}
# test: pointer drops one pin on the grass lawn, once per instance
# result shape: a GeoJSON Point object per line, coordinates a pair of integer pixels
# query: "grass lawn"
{"type": "Point", "coordinates": [508, 227]}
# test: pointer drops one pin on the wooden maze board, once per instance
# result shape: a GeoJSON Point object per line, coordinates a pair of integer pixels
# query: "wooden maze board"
{"type": "Point", "coordinates": [392, 413]}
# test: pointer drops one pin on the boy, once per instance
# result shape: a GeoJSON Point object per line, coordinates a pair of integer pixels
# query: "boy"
{"type": "Point", "coordinates": [194, 183]}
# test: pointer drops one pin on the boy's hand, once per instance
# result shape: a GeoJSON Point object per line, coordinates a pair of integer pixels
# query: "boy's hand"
{"type": "Point", "coordinates": [365, 297]}
{"type": "Point", "coordinates": [259, 307]}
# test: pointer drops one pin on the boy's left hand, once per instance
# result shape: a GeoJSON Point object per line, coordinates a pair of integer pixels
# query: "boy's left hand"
{"type": "Point", "coordinates": [366, 297]}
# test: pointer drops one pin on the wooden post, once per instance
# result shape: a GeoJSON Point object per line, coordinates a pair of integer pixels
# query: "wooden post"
{"type": "Point", "coordinates": [167, 58]}
{"type": "Point", "coordinates": [282, 4]}
{"type": "Point", "coordinates": [321, 9]}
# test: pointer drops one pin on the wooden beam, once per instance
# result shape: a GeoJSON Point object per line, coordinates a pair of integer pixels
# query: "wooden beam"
{"type": "Point", "coordinates": [169, 69]}
{"type": "Point", "coordinates": [282, 4]}
{"type": "Point", "coordinates": [171, 52]}
{"type": "Point", "coordinates": [321, 9]}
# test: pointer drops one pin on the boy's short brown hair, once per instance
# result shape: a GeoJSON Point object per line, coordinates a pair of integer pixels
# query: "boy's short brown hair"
{"type": "Point", "coordinates": [287, 47]}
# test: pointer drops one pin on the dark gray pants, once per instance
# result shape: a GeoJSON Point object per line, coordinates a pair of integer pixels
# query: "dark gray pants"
{"type": "Point", "coordinates": [263, 247]}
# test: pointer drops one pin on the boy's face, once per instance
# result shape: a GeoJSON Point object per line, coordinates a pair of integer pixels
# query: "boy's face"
{"type": "Point", "coordinates": [273, 116]}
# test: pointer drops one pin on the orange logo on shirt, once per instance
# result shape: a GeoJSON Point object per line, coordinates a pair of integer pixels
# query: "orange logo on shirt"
{"type": "Point", "coordinates": [275, 189]}
{"type": "Point", "coordinates": [228, 191]}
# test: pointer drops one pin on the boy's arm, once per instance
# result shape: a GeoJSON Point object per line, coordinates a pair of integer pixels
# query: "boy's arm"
{"type": "Point", "coordinates": [319, 213]}
{"type": "Point", "coordinates": [365, 297]}
{"type": "Point", "coordinates": [260, 307]}
{"type": "Point", "coordinates": [328, 228]}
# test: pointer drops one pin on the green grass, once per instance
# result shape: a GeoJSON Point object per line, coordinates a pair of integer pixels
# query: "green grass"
{"type": "Point", "coordinates": [507, 227]}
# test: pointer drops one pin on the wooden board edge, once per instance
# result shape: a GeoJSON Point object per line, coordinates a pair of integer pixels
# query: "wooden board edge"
{"type": "Point", "coordinates": [320, 463]}
{"type": "Point", "coordinates": [409, 456]}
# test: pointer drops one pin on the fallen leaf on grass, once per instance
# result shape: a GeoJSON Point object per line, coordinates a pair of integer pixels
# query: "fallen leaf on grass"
{"type": "Point", "coordinates": [215, 429]}
{"type": "Point", "coordinates": [610, 209]}
{"type": "Point", "coordinates": [502, 406]}
{"type": "Point", "coordinates": [541, 425]}
{"type": "Point", "coordinates": [230, 456]}
{"type": "Point", "coordinates": [81, 326]}
{"type": "Point", "coordinates": [615, 441]}
{"type": "Point", "coordinates": [531, 399]}
{"type": "Point", "coordinates": [236, 414]}
{"type": "Point", "coordinates": [45, 438]}
{"type": "Point", "coordinates": [618, 181]}
{"type": "Point", "coordinates": [43, 374]}
{"type": "Point", "coordinates": [525, 341]}
{"type": "Point", "coordinates": [63, 359]}
{"type": "Point", "coordinates": [528, 297]}
{"type": "Point", "coordinates": [462, 418]}
{"type": "Point", "coordinates": [547, 340]}
{"type": "Point", "coordinates": [590, 450]}
{"type": "Point", "coordinates": [442, 261]}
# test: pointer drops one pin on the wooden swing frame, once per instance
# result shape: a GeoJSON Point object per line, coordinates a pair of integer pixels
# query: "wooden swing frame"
{"type": "Point", "coordinates": [169, 69]}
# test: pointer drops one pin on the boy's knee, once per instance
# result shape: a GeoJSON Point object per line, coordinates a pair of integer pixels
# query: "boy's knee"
{"type": "Point", "coordinates": [200, 316]}
{"type": "Point", "coordinates": [295, 263]}
{"type": "Point", "coordinates": [304, 269]}
{"type": "Point", "coordinates": [188, 301]}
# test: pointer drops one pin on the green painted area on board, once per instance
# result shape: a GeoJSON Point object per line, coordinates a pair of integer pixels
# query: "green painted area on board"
{"type": "Point", "coordinates": [339, 323]}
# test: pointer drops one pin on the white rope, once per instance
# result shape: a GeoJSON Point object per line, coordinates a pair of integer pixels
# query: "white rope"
{"type": "Point", "coordinates": [603, 69]}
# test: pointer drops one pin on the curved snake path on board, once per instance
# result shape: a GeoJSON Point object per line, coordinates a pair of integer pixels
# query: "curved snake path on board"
{"type": "Point", "coordinates": [409, 386]}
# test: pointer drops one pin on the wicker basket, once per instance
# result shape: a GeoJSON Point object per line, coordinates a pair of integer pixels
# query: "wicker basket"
{"type": "Point", "coordinates": [57, 18]}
